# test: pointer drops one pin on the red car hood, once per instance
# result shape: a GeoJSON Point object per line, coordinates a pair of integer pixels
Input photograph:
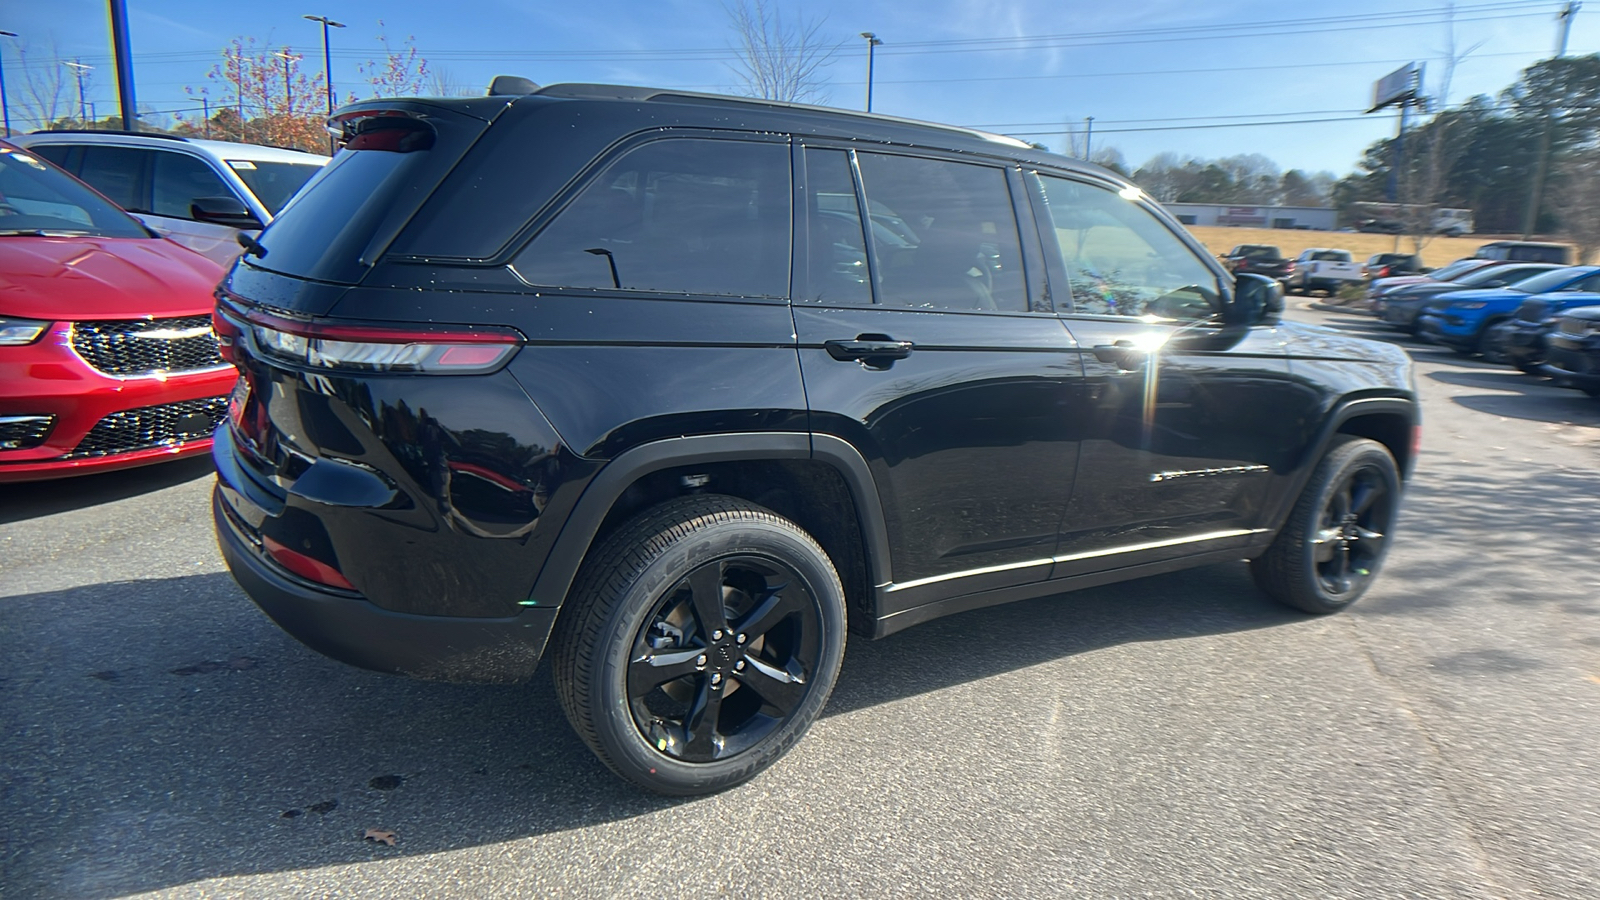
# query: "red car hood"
{"type": "Point", "coordinates": [68, 278]}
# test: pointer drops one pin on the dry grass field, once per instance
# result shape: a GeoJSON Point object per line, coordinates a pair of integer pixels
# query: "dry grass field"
{"type": "Point", "coordinates": [1439, 251]}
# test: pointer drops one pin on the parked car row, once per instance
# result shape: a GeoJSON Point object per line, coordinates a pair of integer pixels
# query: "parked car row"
{"type": "Point", "coordinates": [108, 358]}
{"type": "Point", "coordinates": [1542, 318]}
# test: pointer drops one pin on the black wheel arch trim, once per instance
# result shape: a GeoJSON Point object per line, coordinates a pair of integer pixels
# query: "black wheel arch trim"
{"type": "Point", "coordinates": [1342, 412]}
{"type": "Point", "coordinates": [577, 534]}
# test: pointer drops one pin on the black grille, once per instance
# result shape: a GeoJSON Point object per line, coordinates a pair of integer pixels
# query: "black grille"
{"type": "Point", "coordinates": [1531, 310]}
{"type": "Point", "coordinates": [167, 425]}
{"type": "Point", "coordinates": [141, 346]}
{"type": "Point", "coordinates": [22, 432]}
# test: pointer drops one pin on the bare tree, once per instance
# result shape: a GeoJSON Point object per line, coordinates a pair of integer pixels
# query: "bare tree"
{"type": "Point", "coordinates": [1441, 143]}
{"type": "Point", "coordinates": [401, 73]}
{"type": "Point", "coordinates": [780, 58]}
{"type": "Point", "coordinates": [1577, 204]}
{"type": "Point", "coordinates": [443, 83]}
{"type": "Point", "coordinates": [48, 91]}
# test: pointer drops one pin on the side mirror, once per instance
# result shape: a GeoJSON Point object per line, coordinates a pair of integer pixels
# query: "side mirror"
{"type": "Point", "coordinates": [1256, 299]}
{"type": "Point", "coordinates": [224, 211]}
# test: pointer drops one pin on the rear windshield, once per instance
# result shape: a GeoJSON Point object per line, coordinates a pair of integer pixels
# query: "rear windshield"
{"type": "Point", "coordinates": [352, 208]}
{"type": "Point", "coordinates": [273, 183]}
{"type": "Point", "coordinates": [36, 198]}
{"type": "Point", "coordinates": [1260, 253]}
{"type": "Point", "coordinates": [1332, 255]}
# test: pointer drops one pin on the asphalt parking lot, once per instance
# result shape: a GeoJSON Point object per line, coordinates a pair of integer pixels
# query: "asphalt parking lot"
{"type": "Point", "coordinates": [1177, 736]}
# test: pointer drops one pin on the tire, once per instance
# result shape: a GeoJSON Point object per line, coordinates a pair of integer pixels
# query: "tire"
{"type": "Point", "coordinates": [704, 607]}
{"type": "Point", "coordinates": [1352, 531]}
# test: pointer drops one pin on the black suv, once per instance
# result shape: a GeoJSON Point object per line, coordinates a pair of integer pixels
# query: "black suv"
{"type": "Point", "coordinates": [687, 386]}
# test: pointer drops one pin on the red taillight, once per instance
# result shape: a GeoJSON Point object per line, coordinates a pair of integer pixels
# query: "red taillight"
{"type": "Point", "coordinates": [1288, 266]}
{"type": "Point", "coordinates": [304, 566]}
{"type": "Point", "coordinates": [228, 333]}
{"type": "Point", "coordinates": [398, 349]}
{"type": "Point", "coordinates": [1416, 441]}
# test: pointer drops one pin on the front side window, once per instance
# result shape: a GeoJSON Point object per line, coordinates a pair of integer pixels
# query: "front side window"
{"type": "Point", "coordinates": [116, 172]}
{"type": "Point", "coordinates": [944, 234]}
{"type": "Point", "coordinates": [683, 216]}
{"type": "Point", "coordinates": [178, 181]}
{"type": "Point", "coordinates": [1120, 260]}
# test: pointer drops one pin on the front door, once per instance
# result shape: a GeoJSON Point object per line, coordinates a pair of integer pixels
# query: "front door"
{"type": "Point", "coordinates": [922, 347]}
{"type": "Point", "coordinates": [1185, 423]}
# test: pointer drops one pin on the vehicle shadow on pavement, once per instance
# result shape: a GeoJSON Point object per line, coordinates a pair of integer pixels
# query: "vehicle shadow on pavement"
{"type": "Point", "coordinates": [1532, 519]}
{"type": "Point", "coordinates": [165, 732]}
{"type": "Point", "coordinates": [1522, 397]}
{"type": "Point", "coordinates": [32, 499]}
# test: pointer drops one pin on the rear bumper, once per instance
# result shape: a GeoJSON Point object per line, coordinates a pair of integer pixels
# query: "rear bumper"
{"type": "Point", "coordinates": [350, 629]}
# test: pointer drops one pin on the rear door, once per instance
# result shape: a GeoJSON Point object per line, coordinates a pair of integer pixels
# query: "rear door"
{"type": "Point", "coordinates": [1184, 425]}
{"type": "Point", "coordinates": [927, 348]}
{"type": "Point", "coordinates": [177, 180]}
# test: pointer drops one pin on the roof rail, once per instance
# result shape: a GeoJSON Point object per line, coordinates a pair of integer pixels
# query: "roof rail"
{"type": "Point", "coordinates": [154, 134]}
{"type": "Point", "coordinates": [581, 91]}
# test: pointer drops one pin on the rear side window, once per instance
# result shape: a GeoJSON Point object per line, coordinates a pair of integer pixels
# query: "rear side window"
{"type": "Point", "coordinates": [836, 250]}
{"type": "Point", "coordinates": [944, 234]}
{"type": "Point", "coordinates": [178, 181]}
{"type": "Point", "coordinates": [681, 216]}
{"type": "Point", "coordinates": [117, 172]}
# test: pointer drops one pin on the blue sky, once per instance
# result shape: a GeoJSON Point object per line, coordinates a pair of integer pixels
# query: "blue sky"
{"type": "Point", "coordinates": [1014, 66]}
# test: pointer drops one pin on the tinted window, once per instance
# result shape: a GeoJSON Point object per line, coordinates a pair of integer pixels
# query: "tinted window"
{"type": "Point", "coordinates": [1502, 274]}
{"type": "Point", "coordinates": [1331, 256]}
{"type": "Point", "coordinates": [944, 234]}
{"type": "Point", "coordinates": [1260, 253]}
{"type": "Point", "coordinates": [35, 197]}
{"type": "Point", "coordinates": [56, 153]}
{"type": "Point", "coordinates": [679, 216]}
{"type": "Point", "coordinates": [1553, 280]}
{"type": "Point", "coordinates": [836, 262]}
{"type": "Point", "coordinates": [1457, 268]}
{"type": "Point", "coordinates": [116, 172]}
{"type": "Point", "coordinates": [1120, 259]}
{"type": "Point", "coordinates": [178, 181]}
{"type": "Point", "coordinates": [273, 183]}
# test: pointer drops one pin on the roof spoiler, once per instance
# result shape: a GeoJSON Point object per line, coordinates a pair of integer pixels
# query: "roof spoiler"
{"type": "Point", "coordinates": [511, 86]}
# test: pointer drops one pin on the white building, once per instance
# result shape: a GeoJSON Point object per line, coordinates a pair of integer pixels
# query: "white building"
{"type": "Point", "coordinates": [1315, 218]}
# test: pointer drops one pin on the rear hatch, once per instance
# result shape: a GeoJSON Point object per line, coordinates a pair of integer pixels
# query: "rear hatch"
{"type": "Point", "coordinates": [395, 153]}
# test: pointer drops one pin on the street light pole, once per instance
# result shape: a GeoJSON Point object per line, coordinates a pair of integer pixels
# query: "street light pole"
{"type": "Point", "coordinates": [872, 41]}
{"type": "Point", "coordinates": [1088, 138]}
{"type": "Point", "coordinates": [327, 68]}
{"type": "Point", "coordinates": [288, 93]}
{"type": "Point", "coordinates": [5, 112]}
{"type": "Point", "coordinates": [78, 69]}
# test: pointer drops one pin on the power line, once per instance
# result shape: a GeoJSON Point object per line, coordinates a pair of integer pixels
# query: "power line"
{"type": "Point", "coordinates": [1160, 34]}
{"type": "Point", "coordinates": [1197, 127]}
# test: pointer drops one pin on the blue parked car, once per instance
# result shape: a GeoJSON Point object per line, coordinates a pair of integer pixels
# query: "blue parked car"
{"type": "Point", "coordinates": [1520, 340]}
{"type": "Point", "coordinates": [1461, 319]}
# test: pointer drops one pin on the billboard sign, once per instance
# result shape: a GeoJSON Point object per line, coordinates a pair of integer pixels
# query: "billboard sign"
{"type": "Point", "coordinates": [1396, 87]}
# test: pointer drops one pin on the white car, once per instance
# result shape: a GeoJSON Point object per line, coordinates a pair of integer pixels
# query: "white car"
{"type": "Point", "coordinates": [199, 193]}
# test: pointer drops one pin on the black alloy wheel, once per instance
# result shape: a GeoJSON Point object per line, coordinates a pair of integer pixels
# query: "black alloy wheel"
{"type": "Point", "coordinates": [726, 658]}
{"type": "Point", "coordinates": [699, 642]}
{"type": "Point", "coordinates": [1330, 549]}
{"type": "Point", "coordinates": [1353, 533]}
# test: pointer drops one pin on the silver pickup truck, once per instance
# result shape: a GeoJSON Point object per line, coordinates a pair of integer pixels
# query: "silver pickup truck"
{"type": "Point", "coordinates": [1321, 269]}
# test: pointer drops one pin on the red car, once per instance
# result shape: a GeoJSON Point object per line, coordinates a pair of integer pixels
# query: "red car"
{"type": "Point", "coordinates": [107, 358]}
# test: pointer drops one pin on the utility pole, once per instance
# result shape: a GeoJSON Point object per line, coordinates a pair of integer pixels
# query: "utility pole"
{"type": "Point", "coordinates": [1088, 138]}
{"type": "Point", "coordinates": [78, 69]}
{"type": "Point", "coordinates": [1541, 163]}
{"type": "Point", "coordinates": [5, 113]}
{"type": "Point", "coordinates": [124, 62]}
{"type": "Point", "coordinates": [288, 95]}
{"type": "Point", "coordinates": [205, 106]}
{"type": "Point", "coordinates": [327, 68]}
{"type": "Point", "coordinates": [872, 42]}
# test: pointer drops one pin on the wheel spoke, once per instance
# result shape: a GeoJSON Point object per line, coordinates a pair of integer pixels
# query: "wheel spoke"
{"type": "Point", "coordinates": [655, 669]}
{"type": "Point", "coordinates": [1362, 500]}
{"type": "Point", "coordinates": [778, 605]}
{"type": "Point", "coordinates": [700, 726]}
{"type": "Point", "coordinates": [780, 688]}
{"type": "Point", "coordinates": [1367, 534]}
{"type": "Point", "coordinates": [705, 592]}
{"type": "Point", "coordinates": [1339, 505]}
{"type": "Point", "coordinates": [1325, 544]}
